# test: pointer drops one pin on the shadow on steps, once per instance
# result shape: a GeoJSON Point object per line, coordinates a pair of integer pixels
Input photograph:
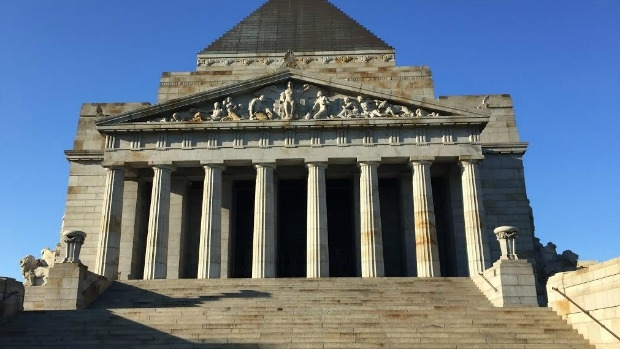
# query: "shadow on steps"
{"type": "Point", "coordinates": [121, 295]}
{"type": "Point", "coordinates": [96, 329]}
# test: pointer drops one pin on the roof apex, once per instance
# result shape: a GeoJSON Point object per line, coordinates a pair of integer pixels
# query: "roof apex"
{"type": "Point", "coordinates": [299, 26]}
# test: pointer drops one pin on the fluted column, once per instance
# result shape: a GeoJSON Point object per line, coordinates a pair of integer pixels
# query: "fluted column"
{"type": "Point", "coordinates": [110, 228]}
{"type": "Point", "coordinates": [159, 214]}
{"type": "Point", "coordinates": [473, 209]}
{"type": "Point", "coordinates": [427, 253]}
{"type": "Point", "coordinates": [317, 257]}
{"type": "Point", "coordinates": [209, 254]}
{"type": "Point", "coordinates": [370, 222]}
{"type": "Point", "coordinates": [264, 239]}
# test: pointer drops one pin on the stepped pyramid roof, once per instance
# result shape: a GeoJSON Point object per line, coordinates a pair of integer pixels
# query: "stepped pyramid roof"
{"type": "Point", "coordinates": [299, 26]}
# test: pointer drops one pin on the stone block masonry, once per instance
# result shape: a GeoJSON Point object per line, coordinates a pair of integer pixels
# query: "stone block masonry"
{"type": "Point", "coordinates": [597, 290]}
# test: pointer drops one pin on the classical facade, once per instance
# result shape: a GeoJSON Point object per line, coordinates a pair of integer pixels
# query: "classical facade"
{"type": "Point", "coordinates": [297, 149]}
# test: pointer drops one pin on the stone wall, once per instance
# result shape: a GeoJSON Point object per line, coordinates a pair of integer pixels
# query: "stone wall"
{"type": "Point", "coordinates": [413, 81]}
{"type": "Point", "coordinates": [506, 202]}
{"type": "Point", "coordinates": [11, 298]}
{"type": "Point", "coordinates": [87, 176]}
{"type": "Point", "coordinates": [597, 290]}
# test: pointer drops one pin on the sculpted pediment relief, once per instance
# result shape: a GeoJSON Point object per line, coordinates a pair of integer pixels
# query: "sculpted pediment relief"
{"type": "Point", "coordinates": [287, 97]}
{"type": "Point", "coordinates": [293, 102]}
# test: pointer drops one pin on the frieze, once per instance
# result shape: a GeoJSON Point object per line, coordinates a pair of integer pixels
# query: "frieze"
{"type": "Point", "coordinates": [202, 83]}
{"type": "Point", "coordinates": [290, 60]}
{"type": "Point", "coordinates": [294, 102]}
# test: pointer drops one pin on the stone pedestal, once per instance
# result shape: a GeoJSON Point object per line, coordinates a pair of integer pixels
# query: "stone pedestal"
{"type": "Point", "coordinates": [370, 222]}
{"type": "Point", "coordinates": [157, 238]}
{"type": "Point", "coordinates": [106, 263]}
{"type": "Point", "coordinates": [264, 244]}
{"type": "Point", "coordinates": [71, 286]}
{"type": "Point", "coordinates": [317, 261]}
{"type": "Point", "coordinates": [473, 210]}
{"type": "Point", "coordinates": [427, 254]}
{"type": "Point", "coordinates": [508, 283]}
{"type": "Point", "coordinates": [209, 260]}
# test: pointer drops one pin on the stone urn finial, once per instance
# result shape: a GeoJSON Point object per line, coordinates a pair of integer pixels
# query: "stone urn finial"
{"type": "Point", "coordinates": [73, 240]}
{"type": "Point", "coordinates": [507, 236]}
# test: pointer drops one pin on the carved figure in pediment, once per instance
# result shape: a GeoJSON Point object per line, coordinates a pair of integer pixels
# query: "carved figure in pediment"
{"type": "Point", "coordinates": [199, 117]}
{"type": "Point", "coordinates": [418, 113]}
{"type": "Point", "coordinates": [258, 109]}
{"type": "Point", "coordinates": [369, 109]}
{"type": "Point", "coordinates": [320, 107]}
{"type": "Point", "coordinates": [288, 102]}
{"type": "Point", "coordinates": [182, 116]}
{"type": "Point", "coordinates": [433, 114]}
{"type": "Point", "coordinates": [218, 112]}
{"type": "Point", "coordinates": [233, 111]}
{"type": "Point", "coordinates": [304, 100]}
{"type": "Point", "coordinates": [350, 108]}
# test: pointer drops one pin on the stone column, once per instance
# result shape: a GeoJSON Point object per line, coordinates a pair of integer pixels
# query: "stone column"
{"type": "Point", "coordinates": [473, 211]}
{"type": "Point", "coordinates": [157, 237]}
{"type": "Point", "coordinates": [317, 255]}
{"type": "Point", "coordinates": [370, 221]}
{"type": "Point", "coordinates": [264, 237]}
{"type": "Point", "coordinates": [110, 228]}
{"type": "Point", "coordinates": [209, 258]}
{"type": "Point", "coordinates": [427, 253]}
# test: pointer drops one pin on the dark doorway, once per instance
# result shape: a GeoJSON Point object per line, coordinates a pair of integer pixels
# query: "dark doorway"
{"type": "Point", "coordinates": [391, 227]}
{"type": "Point", "coordinates": [242, 229]}
{"type": "Point", "coordinates": [190, 239]}
{"type": "Point", "coordinates": [443, 222]}
{"type": "Point", "coordinates": [139, 243]}
{"type": "Point", "coordinates": [291, 234]}
{"type": "Point", "coordinates": [341, 227]}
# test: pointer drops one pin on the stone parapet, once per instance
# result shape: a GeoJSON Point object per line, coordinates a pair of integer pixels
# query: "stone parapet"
{"type": "Point", "coordinates": [70, 286]}
{"type": "Point", "coordinates": [508, 283]}
{"type": "Point", "coordinates": [11, 298]}
{"type": "Point", "coordinates": [596, 289]}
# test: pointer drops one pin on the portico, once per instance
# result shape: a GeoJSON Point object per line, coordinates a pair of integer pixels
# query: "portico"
{"type": "Point", "coordinates": [302, 219]}
{"type": "Point", "coordinates": [280, 160]}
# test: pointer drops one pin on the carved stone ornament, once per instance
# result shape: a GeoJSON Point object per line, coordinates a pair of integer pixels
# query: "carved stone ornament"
{"type": "Point", "coordinates": [73, 239]}
{"type": "Point", "coordinates": [507, 236]}
{"type": "Point", "coordinates": [36, 271]}
{"type": "Point", "coordinates": [294, 101]}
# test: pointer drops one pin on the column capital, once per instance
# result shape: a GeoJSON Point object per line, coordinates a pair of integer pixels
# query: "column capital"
{"type": "Point", "coordinates": [321, 164]}
{"type": "Point", "coordinates": [271, 165]}
{"type": "Point", "coordinates": [473, 159]}
{"type": "Point", "coordinates": [426, 160]}
{"type": "Point", "coordinates": [162, 165]}
{"type": "Point", "coordinates": [373, 163]}
{"type": "Point", "coordinates": [206, 164]}
{"type": "Point", "coordinates": [115, 166]}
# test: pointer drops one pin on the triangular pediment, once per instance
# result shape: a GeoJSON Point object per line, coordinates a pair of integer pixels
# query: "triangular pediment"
{"type": "Point", "coordinates": [291, 95]}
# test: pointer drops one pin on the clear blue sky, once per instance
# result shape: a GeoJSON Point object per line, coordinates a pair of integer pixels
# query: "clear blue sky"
{"type": "Point", "coordinates": [560, 61]}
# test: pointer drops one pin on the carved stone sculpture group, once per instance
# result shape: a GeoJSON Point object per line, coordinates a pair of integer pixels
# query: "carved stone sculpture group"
{"type": "Point", "coordinates": [36, 271]}
{"type": "Point", "coordinates": [291, 103]}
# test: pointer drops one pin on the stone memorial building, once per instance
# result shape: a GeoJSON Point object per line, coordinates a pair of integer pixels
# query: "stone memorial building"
{"type": "Point", "coordinates": [298, 148]}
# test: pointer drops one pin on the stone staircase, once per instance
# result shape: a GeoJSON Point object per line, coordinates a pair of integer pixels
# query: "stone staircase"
{"type": "Point", "coordinates": [433, 313]}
